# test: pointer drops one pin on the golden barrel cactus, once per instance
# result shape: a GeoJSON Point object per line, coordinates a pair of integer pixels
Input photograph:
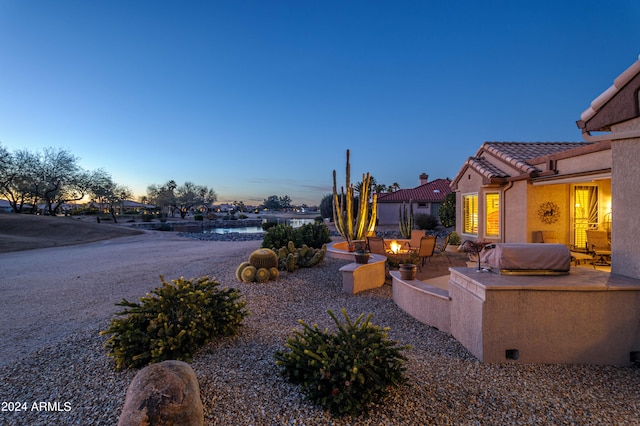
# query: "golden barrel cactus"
{"type": "Point", "coordinates": [264, 258]}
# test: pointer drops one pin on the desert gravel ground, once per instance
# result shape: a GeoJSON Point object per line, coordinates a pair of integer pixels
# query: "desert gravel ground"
{"type": "Point", "coordinates": [54, 302]}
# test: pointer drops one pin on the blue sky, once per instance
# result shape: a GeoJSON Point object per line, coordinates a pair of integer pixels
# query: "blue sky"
{"type": "Point", "coordinates": [260, 98]}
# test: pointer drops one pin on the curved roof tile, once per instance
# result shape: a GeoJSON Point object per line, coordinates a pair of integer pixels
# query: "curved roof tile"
{"type": "Point", "coordinates": [431, 192]}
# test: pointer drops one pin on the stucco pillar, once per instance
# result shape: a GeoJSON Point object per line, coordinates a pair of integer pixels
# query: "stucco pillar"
{"type": "Point", "coordinates": [625, 206]}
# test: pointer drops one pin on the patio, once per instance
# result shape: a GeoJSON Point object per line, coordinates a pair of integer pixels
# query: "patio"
{"type": "Point", "coordinates": [579, 318]}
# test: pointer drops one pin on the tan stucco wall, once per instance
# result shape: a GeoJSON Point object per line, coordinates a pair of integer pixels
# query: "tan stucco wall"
{"type": "Point", "coordinates": [586, 162]}
{"type": "Point", "coordinates": [514, 205]}
{"type": "Point", "coordinates": [585, 317]}
{"type": "Point", "coordinates": [557, 194]}
{"type": "Point", "coordinates": [625, 203]}
{"type": "Point", "coordinates": [388, 213]}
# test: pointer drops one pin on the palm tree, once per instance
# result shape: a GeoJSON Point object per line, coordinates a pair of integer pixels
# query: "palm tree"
{"type": "Point", "coordinates": [373, 186]}
{"type": "Point", "coordinates": [380, 188]}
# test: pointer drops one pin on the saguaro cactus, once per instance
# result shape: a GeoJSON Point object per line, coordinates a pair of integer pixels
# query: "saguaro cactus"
{"type": "Point", "coordinates": [365, 221]}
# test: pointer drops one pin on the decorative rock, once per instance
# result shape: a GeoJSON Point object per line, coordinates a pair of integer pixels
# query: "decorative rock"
{"type": "Point", "coordinates": [166, 393]}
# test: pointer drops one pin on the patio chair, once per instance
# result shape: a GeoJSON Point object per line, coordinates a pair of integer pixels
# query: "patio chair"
{"type": "Point", "coordinates": [376, 245]}
{"type": "Point", "coordinates": [426, 249]}
{"type": "Point", "coordinates": [549, 237]}
{"type": "Point", "coordinates": [442, 250]}
{"type": "Point", "coordinates": [598, 243]}
{"type": "Point", "coordinates": [414, 242]}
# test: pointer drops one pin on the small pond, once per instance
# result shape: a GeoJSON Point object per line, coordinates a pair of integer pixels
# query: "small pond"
{"type": "Point", "coordinates": [295, 223]}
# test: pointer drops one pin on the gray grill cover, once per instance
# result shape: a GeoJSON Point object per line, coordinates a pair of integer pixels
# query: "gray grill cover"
{"type": "Point", "coordinates": [527, 259]}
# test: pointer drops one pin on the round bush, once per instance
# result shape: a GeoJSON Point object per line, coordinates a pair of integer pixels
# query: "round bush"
{"type": "Point", "coordinates": [345, 371]}
{"type": "Point", "coordinates": [426, 221]}
{"type": "Point", "coordinates": [173, 321]}
{"type": "Point", "coordinates": [278, 236]}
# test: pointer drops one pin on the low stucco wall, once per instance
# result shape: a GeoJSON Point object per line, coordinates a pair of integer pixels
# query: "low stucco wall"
{"type": "Point", "coordinates": [586, 317]}
{"type": "Point", "coordinates": [426, 303]}
{"type": "Point", "coordinates": [360, 277]}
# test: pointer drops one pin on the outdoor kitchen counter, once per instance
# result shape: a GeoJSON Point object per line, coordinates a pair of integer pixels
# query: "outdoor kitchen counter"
{"type": "Point", "coordinates": [578, 279]}
{"type": "Point", "coordinates": [586, 317]}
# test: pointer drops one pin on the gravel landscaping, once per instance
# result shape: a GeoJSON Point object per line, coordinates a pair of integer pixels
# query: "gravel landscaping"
{"type": "Point", "coordinates": [240, 383]}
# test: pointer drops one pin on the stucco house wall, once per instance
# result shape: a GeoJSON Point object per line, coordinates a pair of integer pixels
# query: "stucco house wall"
{"type": "Point", "coordinates": [528, 176]}
{"type": "Point", "coordinates": [515, 213]}
{"type": "Point", "coordinates": [625, 203]}
{"type": "Point", "coordinates": [556, 194]}
{"type": "Point", "coordinates": [388, 212]}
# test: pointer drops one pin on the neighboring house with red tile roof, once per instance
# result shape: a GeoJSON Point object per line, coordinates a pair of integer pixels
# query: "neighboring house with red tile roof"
{"type": "Point", "coordinates": [509, 191]}
{"type": "Point", "coordinates": [426, 199]}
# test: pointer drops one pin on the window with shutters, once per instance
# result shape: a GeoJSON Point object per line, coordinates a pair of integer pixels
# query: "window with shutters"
{"type": "Point", "coordinates": [492, 212]}
{"type": "Point", "coordinates": [470, 214]}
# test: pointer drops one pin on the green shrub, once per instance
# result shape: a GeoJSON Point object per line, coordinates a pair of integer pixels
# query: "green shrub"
{"type": "Point", "coordinates": [198, 217]}
{"type": "Point", "coordinates": [242, 216]}
{"type": "Point", "coordinates": [268, 225]}
{"type": "Point", "coordinates": [173, 321]}
{"type": "Point", "coordinates": [312, 234]}
{"type": "Point", "coordinates": [278, 236]}
{"type": "Point", "coordinates": [426, 221]}
{"type": "Point", "coordinates": [454, 239]}
{"type": "Point", "coordinates": [146, 217]}
{"type": "Point", "coordinates": [344, 371]}
{"type": "Point", "coordinates": [447, 211]}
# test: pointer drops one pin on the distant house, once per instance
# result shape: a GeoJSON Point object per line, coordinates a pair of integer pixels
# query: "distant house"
{"type": "Point", "coordinates": [230, 208]}
{"type": "Point", "coordinates": [510, 191]}
{"type": "Point", "coordinates": [426, 199]}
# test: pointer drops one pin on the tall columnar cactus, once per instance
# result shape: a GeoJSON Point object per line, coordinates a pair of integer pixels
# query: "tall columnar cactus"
{"type": "Point", "coordinates": [365, 221]}
{"type": "Point", "coordinates": [406, 220]}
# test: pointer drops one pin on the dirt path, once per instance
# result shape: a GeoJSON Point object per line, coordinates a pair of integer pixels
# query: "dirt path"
{"type": "Point", "coordinates": [48, 294]}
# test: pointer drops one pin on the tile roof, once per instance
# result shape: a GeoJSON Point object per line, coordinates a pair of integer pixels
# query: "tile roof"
{"type": "Point", "coordinates": [519, 155]}
{"type": "Point", "coordinates": [608, 94]}
{"type": "Point", "coordinates": [431, 192]}
{"type": "Point", "coordinates": [485, 168]}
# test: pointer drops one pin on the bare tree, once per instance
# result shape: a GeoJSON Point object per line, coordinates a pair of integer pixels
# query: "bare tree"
{"type": "Point", "coordinates": [191, 195]}
{"type": "Point", "coordinates": [102, 188]}
{"type": "Point", "coordinates": [181, 198]}
{"type": "Point", "coordinates": [163, 196]}
{"type": "Point", "coordinates": [63, 179]}
{"type": "Point", "coordinates": [21, 181]}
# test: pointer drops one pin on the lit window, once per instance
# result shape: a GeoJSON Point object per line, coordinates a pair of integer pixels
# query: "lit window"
{"type": "Point", "coordinates": [492, 209]}
{"type": "Point", "coordinates": [470, 214]}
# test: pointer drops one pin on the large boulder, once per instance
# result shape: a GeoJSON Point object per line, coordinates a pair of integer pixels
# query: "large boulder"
{"type": "Point", "coordinates": [161, 394]}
